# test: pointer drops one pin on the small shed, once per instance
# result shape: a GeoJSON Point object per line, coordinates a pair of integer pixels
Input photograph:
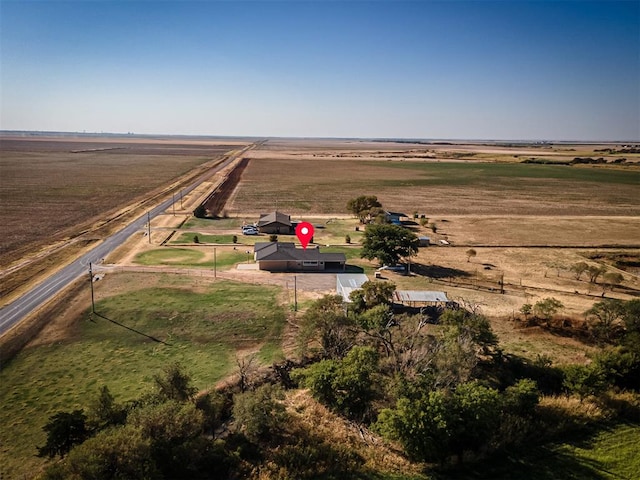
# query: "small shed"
{"type": "Point", "coordinates": [414, 298]}
{"type": "Point", "coordinates": [348, 282]}
{"type": "Point", "coordinates": [424, 241]}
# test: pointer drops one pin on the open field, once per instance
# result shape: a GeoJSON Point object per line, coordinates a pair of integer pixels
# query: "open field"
{"type": "Point", "coordinates": [203, 325]}
{"type": "Point", "coordinates": [297, 183]}
{"type": "Point", "coordinates": [80, 190]}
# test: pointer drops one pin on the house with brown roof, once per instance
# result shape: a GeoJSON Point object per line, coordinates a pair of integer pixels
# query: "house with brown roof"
{"type": "Point", "coordinates": [285, 257]}
{"type": "Point", "coordinates": [275, 222]}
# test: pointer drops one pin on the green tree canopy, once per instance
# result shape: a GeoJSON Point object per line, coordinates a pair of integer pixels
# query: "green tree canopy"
{"type": "Point", "coordinates": [327, 321]}
{"type": "Point", "coordinates": [372, 294]}
{"type": "Point", "coordinates": [364, 207]}
{"type": "Point", "coordinates": [260, 413]}
{"type": "Point", "coordinates": [388, 243]}
{"type": "Point", "coordinates": [175, 384]}
{"type": "Point", "coordinates": [346, 385]}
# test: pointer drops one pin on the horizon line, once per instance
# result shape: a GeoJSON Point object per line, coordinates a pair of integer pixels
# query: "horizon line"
{"type": "Point", "coordinates": [267, 137]}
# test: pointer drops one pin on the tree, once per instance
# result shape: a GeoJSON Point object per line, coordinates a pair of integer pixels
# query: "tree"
{"type": "Point", "coordinates": [347, 385]}
{"type": "Point", "coordinates": [470, 253]}
{"type": "Point", "coordinates": [612, 279]}
{"type": "Point", "coordinates": [260, 413]}
{"type": "Point", "coordinates": [473, 324]}
{"type": "Point", "coordinates": [434, 424]}
{"type": "Point", "coordinates": [371, 294]}
{"type": "Point", "coordinates": [347, 238]}
{"type": "Point", "coordinates": [606, 318]}
{"type": "Point", "coordinates": [196, 239]}
{"type": "Point", "coordinates": [388, 243]}
{"type": "Point", "coordinates": [521, 398]}
{"type": "Point", "coordinates": [585, 380]}
{"type": "Point", "coordinates": [526, 310]}
{"type": "Point", "coordinates": [175, 384]}
{"type": "Point", "coordinates": [364, 207]}
{"type": "Point", "coordinates": [64, 430]}
{"type": "Point", "coordinates": [327, 321]}
{"type": "Point", "coordinates": [273, 238]}
{"type": "Point", "coordinates": [117, 453]}
{"type": "Point", "coordinates": [579, 268]}
{"type": "Point", "coordinates": [105, 412]}
{"type": "Point", "coordinates": [595, 271]}
{"type": "Point", "coordinates": [547, 308]}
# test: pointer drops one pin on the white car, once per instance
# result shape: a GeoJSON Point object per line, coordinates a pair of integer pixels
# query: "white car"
{"type": "Point", "coordinates": [248, 230]}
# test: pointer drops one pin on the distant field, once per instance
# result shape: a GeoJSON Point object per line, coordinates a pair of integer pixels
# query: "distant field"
{"type": "Point", "coordinates": [203, 327]}
{"type": "Point", "coordinates": [51, 187]}
{"type": "Point", "coordinates": [437, 187]}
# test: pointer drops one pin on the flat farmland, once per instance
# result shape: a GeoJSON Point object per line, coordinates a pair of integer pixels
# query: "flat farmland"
{"type": "Point", "coordinates": [55, 187]}
{"type": "Point", "coordinates": [324, 185]}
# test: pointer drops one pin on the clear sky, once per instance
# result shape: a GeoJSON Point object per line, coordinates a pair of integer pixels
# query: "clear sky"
{"type": "Point", "coordinates": [543, 70]}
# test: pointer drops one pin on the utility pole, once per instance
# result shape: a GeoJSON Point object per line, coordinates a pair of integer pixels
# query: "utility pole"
{"type": "Point", "coordinates": [215, 273]}
{"type": "Point", "coordinates": [93, 305]}
{"type": "Point", "coordinates": [149, 227]}
{"type": "Point", "coordinates": [295, 293]}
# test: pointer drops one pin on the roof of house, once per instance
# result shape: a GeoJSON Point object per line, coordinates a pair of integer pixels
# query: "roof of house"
{"type": "Point", "coordinates": [274, 251]}
{"type": "Point", "coordinates": [419, 296]}
{"type": "Point", "coordinates": [274, 217]}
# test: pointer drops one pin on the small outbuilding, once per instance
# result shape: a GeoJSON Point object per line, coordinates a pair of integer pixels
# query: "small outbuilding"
{"type": "Point", "coordinates": [348, 282]}
{"type": "Point", "coordinates": [275, 223]}
{"type": "Point", "coordinates": [395, 218]}
{"type": "Point", "coordinates": [424, 241]}
{"type": "Point", "coordinates": [415, 298]}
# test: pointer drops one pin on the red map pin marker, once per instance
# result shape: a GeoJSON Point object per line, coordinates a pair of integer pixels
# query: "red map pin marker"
{"type": "Point", "coordinates": [304, 232]}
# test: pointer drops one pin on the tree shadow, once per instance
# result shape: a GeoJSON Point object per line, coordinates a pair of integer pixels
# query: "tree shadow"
{"type": "Point", "coordinates": [540, 463]}
{"type": "Point", "coordinates": [353, 269]}
{"type": "Point", "coordinates": [438, 272]}
{"type": "Point", "coordinates": [131, 329]}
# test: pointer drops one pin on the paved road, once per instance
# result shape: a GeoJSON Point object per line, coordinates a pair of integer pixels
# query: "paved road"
{"type": "Point", "coordinates": [14, 312]}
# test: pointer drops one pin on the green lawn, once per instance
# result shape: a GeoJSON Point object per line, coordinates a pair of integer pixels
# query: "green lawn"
{"type": "Point", "coordinates": [188, 237]}
{"type": "Point", "coordinates": [188, 257]}
{"type": "Point", "coordinates": [201, 330]}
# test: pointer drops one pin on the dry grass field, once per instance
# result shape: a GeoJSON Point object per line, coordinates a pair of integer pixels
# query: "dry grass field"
{"type": "Point", "coordinates": [60, 194]}
{"type": "Point", "coordinates": [317, 179]}
{"type": "Point", "coordinates": [54, 187]}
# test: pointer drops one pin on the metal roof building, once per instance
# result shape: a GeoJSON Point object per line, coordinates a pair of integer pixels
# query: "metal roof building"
{"type": "Point", "coordinates": [348, 282]}
{"type": "Point", "coordinates": [411, 297]}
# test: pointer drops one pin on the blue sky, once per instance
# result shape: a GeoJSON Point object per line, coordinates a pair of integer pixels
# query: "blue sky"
{"type": "Point", "coordinates": [556, 70]}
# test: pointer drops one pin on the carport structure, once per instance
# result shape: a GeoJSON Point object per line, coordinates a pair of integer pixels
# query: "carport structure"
{"type": "Point", "coordinates": [418, 298]}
